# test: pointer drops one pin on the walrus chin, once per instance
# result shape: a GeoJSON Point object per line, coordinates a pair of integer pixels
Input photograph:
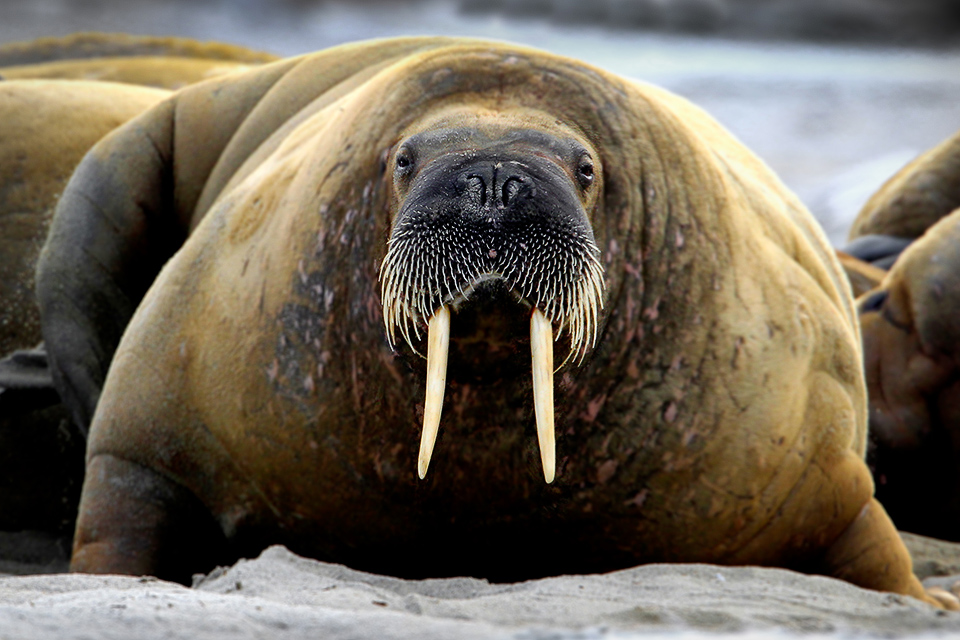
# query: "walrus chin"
{"type": "Point", "coordinates": [505, 206]}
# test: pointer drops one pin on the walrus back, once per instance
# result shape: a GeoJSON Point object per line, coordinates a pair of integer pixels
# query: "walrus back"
{"type": "Point", "coordinates": [916, 197]}
{"type": "Point", "coordinates": [168, 63]}
{"type": "Point", "coordinates": [115, 45]}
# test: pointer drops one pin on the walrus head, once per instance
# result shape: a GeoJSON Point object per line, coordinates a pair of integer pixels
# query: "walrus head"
{"type": "Point", "coordinates": [910, 336]}
{"type": "Point", "coordinates": [494, 206]}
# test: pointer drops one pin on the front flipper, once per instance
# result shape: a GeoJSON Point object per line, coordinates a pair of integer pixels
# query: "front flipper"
{"type": "Point", "coordinates": [135, 521]}
{"type": "Point", "coordinates": [870, 554]}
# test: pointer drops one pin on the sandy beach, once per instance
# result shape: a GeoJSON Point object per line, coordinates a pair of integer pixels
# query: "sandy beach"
{"type": "Point", "coordinates": [834, 120]}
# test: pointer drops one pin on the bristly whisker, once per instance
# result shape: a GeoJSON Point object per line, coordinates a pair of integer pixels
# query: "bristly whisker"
{"type": "Point", "coordinates": [423, 272]}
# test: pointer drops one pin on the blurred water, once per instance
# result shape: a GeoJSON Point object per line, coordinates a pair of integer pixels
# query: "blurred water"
{"type": "Point", "coordinates": [833, 121]}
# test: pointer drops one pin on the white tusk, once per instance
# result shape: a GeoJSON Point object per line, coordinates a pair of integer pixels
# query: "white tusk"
{"type": "Point", "coordinates": [541, 348]}
{"type": "Point", "coordinates": [438, 344]}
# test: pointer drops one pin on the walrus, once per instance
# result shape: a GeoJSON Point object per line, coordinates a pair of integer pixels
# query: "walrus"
{"type": "Point", "coordinates": [907, 358]}
{"type": "Point", "coordinates": [161, 62]}
{"type": "Point", "coordinates": [906, 205]}
{"type": "Point", "coordinates": [318, 224]}
{"type": "Point", "coordinates": [911, 334]}
{"type": "Point", "coordinates": [46, 127]}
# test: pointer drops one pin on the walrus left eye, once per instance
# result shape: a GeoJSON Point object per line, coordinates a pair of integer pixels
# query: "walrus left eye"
{"type": "Point", "coordinates": [403, 160]}
{"type": "Point", "coordinates": [585, 172]}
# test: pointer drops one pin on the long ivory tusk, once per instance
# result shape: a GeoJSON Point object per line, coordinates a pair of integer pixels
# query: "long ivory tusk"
{"type": "Point", "coordinates": [438, 345]}
{"type": "Point", "coordinates": [541, 348]}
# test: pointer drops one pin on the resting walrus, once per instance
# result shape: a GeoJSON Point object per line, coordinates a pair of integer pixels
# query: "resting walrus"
{"type": "Point", "coordinates": [711, 407]}
{"type": "Point", "coordinates": [165, 63]}
{"type": "Point", "coordinates": [911, 339]}
{"type": "Point", "coordinates": [46, 127]}
{"type": "Point", "coordinates": [907, 204]}
{"type": "Point", "coordinates": [918, 195]}
{"type": "Point", "coordinates": [51, 113]}
{"type": "Point", "coordinates": [910, 327]}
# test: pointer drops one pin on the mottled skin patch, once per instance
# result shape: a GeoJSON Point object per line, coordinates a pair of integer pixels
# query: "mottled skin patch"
{"type": "Point", "coordinates": [719, 418]}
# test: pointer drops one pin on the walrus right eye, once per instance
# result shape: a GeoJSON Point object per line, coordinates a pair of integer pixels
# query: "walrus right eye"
{"type": "Point", "coordinates": [403, 161]}
{"type": "Point", "coordinates": [585, 172]}
{"type": "Point", "coordinates": [874, 302]}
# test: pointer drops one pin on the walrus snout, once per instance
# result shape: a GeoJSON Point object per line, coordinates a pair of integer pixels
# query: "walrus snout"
{"type": "Point", "coordinates": [492, 187]}
{"type": "Point", "coordinates": [507, 205]}
{"type": "Point", "coordinates": [471, 209]}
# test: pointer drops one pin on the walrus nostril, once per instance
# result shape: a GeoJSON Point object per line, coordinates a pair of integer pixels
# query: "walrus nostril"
{"type": "Point", "coordinates": [476, 190]}
{"type": "Point", "coordinates": [511, 187]}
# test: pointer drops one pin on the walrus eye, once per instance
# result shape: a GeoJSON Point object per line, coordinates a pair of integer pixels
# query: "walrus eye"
{"type": "Point", "coordinates": [874, 302]}
{"type": "Point", "coordinates": [403, 161]}
{"type": "Point", "coordinates": [585, 172]}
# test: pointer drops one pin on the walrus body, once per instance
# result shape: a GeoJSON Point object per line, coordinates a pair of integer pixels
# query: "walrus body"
{"type": "Point", "coordinates": [166, 63]}
{"type": "Point", "coordinates": [719, 416]}
{"type": "Point", "coordinates": [46, 127]}
{"type": "Point", "coordinates": [58, 97]}
{"type": "Point", "coordinates": [918, 195]}
{"type": "Point", "coordinates": [911, 334]}
{"type": "Point", "coordinates": [910, 327]}
{"type": "Point", "coordinates": [51, 114]}
{"type": "Point", "coordinates": [909, 203]}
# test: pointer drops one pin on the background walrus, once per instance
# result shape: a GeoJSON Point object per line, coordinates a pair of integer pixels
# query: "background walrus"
{"type": "Point", "coordinates": [911, 333]}
{"type": "Point", "coordinates": [51, 113]}
{"type": "Point", "coordinates": [918, 195]}
{"type": "Point", "coordinates": [907, 204]}
{"type": "Point", "coordinates": [255, 397]}
{"type": "Point", "coordinates": [910, 327]}
{"type": "Point", "coordinates": [46, 126]}
{"type": "Point", "coordinates": [161, 62]}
